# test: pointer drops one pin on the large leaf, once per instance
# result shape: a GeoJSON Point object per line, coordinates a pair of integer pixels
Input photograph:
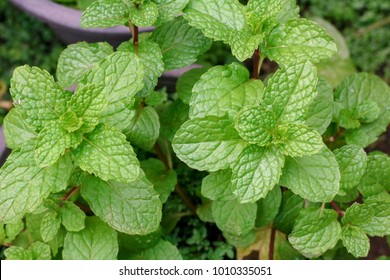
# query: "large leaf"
{"type": "Point", "coordinates": [209, 144]}
{"type": "Point", "coordinates": [289, 210]}
{"type": "Point", "coordinates": [97, 241]}
{"type": "Point", "coordinates": [315, 177]}
{"type": "Point", "coordinates": [224, 89]}
{"type": "Point", "coordinates": [268, 207]}
{"type": "Point", "coordinates": [105, 13]}
{"type": "Point", "coordinates": [17, 132]}
{"type": "Point", "coordinates": [256, 172]}
{"type": "Point", "coordinates": [180, 43]}
{"type": "Point", "coordinates": [186, 82]}
{"type": "Point", "coordinates": [133, 208]}
{"type": "Point", "coordinates": [106, 153]}
{"type": "Point", "coordinates": [163, 250]}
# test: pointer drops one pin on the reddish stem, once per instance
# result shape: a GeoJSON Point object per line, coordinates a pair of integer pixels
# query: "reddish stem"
{"type": "Point", "coordinates": [337, 208]}
{"type": "Point", "coordinates": [71, 192]}
{"type": "Point", "coordinates": [256, 61]}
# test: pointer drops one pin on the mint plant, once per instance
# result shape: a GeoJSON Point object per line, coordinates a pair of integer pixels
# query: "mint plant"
{"type": "Point", "coordinates": [91, 170]}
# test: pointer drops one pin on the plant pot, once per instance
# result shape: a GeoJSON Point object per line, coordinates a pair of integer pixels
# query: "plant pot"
{"type": "Point", "coordinates": [65, 22]}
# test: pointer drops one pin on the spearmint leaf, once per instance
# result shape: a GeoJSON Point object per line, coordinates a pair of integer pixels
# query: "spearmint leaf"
{"type": "Point", "coordinates": [172, 117]}
{"type": "Point", "coordinates": [163, 250]}
{"type": "Point", "coordinates": [150, 55]}
{"type": "Point", "coordinates": [319, 113]}
{"type": "Point", "coordinates": [17, 253]}
{"type": "Point", "coordinates": [243, 43]}
{"type": "Point", "coordinates": [268, 207]}
{"type": "Point", "coordinates": [298, 40]}
{"type": "Point", "coordinates": [204, 212]}
{"type": "Point", "coordinates": [24, 185]}
{"type": "Point", "coordinates": [356, 241]}
{"type": "Point", "coordinates": [215, 18]}
{"type": "Point", "coordinates": [255, 125]}
{"type": "Point", "coordinates": [97, 241]}
{"type": "Point", "coordinates": [133, 208]}
{"type": "Point", "coordinates": [290, 90]}
{"type": "Point", "coordinates": [38, 98]}
{"type": "Point", "coordinates": [144, 15]}
{"type": "Point", "coordinates": [72, 217]}
{"type": "Point", "coordinates": [52, 143]}
{"type": "Point", "coordinates": [315, 232]}
{"type": "Point", "coordinates": [180, 43]}
{"type": "Point", "coordinates": [217, 185]}
{"type": "Point", "coordinates": [50, 225]}
{"type": "Point", "coordinates": [224, 89]}
{"type": "Point", "coordinates": [352, 162]}
{"type": "Point", "coordinates": [376, 179]}
{"type": "Point", "coordinates": [209, 144]}
{"type": "Point", "coordinates": [88, 104]}
{"type": "Point", "coordinates": [379, 224]}
{"type": "Point", "coordinates": [163, 180]}
{"type": "Point", "coordinates": [40, 251]}
{"type": "Point", "coordinates": [298, 140]}
{"type": "Point", "coordinates": [144, 128]}
{"type": "Point", "coordinates": [233, 217]}
{"type": "Point", "coordinates": [105, 13]}
{"type": "Point", "coordinates": [168, 9]}
{"type": "Point", "coordinates": [357, 214]}
{"type": "Point", "coordinates": [121, 74]}
{"type": "Point", "coordinates": [186, 82]}
{"type": "Point", "coordinates": [139, 242]}
{"type": "Point", "coordinates": [70, 122]}
{"type": "Point", "coordinates": [315, 177]}
{"type": "Point", "coordinates": [241, 241]}
{"type": "Point", "coordinates": [255, 172]}
{"type": "Point", "coordinates": [13, 229]}
{"type": "Point", "coordinates": [77, 59]}
{"type": "Point", "coordinates": [105, 153]}
{"type": "Point", "coordinates": [17, 132]}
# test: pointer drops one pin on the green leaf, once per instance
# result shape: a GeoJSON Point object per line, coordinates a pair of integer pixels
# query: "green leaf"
{"type": "Point", "coordinates": [352, 162]}
{"type": "Point", "coordinates": [133, 208]}
{"type": "Point", "coordinates": [224, 89]}
{"type": "Point", "coordinates": [151, 58]}
{"type": "Point", "coordinates": [315, 232]}
{"type": "Point", "coordinates": [24, 185]}
{"type": "Point", "coordinates": [144, 128]}
{"type": "Point", "coordinates": [217, 185]}
{"type": "Point", "coordinates": [121, 74]}
{"type": "Point", "coordinates": [241, 241]}
{"type": "Point", "coordinates": [357, 214]}
{"type": "Point", "coordinates": [180, 43]}
{"type": "Point", "coordinates": [268, 207]}
{"type": "Point", "coordinates": [355, 240]}
{"type": "Point", "coordinates": [209, 144]}
{"type": "Point", "coordinates": [336, 70]}
{"type": "Point", "coordinates": [216, 18]}
{"type": "Point", "coordinates": [13, 229]}
{"type": "Point", "coordinates": [134, 243]}
{"type": "Point", "coordinates": [38, 98]}
{"type": "Point", "coordinates": [256, 125]}
{"type": "Point", "coordinates": [233, 217]}
{"type": "Point", "coordinates": [205, 212]}
{"type": "Point", "coordinates": [105, 153]}
{"type": "Point", "coordinates": [296, 140]}
{"type": "Point", "coordinates": [17, 253]}
{"type": "Point", "coordinates": [169, 9]}
{"type": "Point", "coordinates": [315, 177]}
{"type": "Point", "coordinates": [256, 172]}
{"type": "Point", "coordinates": [97, 241]}
{"type": "Point", "coordinates": [40, 251]}
{"type": "Point", "coordinates": [379, 224]}
{"type": "Point", "coordinates": [319, 113]}
{"type": "Point", "coordinates": [70, 122]}
{"type": "Point", "coordinates": [290, 90]}
{"type": "Point", "coordinates": [105, 13]}
{"type": "Point", "coordinates": [376, 179]}
{"type": "Point", "coordinates": [52, 143]}
{"type": "Point", "coordinates": [243, 43]}
{"type": "Point", "coordinates": [144, 15]}
{"type": "Point", "coordinates": [88, 103]}
{"type": "Point", "coordinates": [163, 180]}
{"type": "Point", "coordinates": [298, 40]}
{"type": "Point", "coordinates": [75, 61]}
{"type": "Point", "coordinates": [73, 218]}
{"type": "Point", "coordinates": [172, 116]}
{"type": "Point", "coordinates": [17, 132]}
{"type": "Point", "coordinates": [163, 250]}
{"type": "Point", "coordinates": [186, 82]}
{"type": "Point", "coordinates": [50, 225]}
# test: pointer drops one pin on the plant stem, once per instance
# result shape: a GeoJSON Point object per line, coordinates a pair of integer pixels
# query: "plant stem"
{"type": "Point", "coordinates": [134, 33]}
{"type": "Point", "coordinates": [256, 64]}
{"type": "Point", "coordinates": [71, 192]}
{"type": "Point", "coordinates": [337, 208]}
{"type": "Point", "coordinates": [272, 244]}
{"type": "Point", "coordinates": [372, 27]}
{"type": "Point", "coordinates": [179, 190]}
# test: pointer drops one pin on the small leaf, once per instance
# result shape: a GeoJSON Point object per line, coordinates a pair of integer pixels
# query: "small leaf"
{"type": "Point", "coordinates": [70, 122]}
{"type": "Point", "coordinates": [315, 177]}
{"type": "Point", "coordinates": [17, 253]}
{"type": "Point", "coordinates": [75, 61]}
{"type": "Point", "coordinates": [209, 144]}
{"type": "Point", "coordinates": [163, 250]}
{"type": "Point", "coordinates": [243, 43]}
{"type": "Point", "coordinates": [233, 217]}
{"type": "Point", "coordinates": [180, 43]}
{"type": "Point", "coordinates": [50, 225]}
{"type": "Point", "coordinates": [40, 251]}
{"type": "Point", "coordinates": [97, 241]}
{"type": "Point", "coordinates": [268, 207]}
{"type": "Point", "coordinates": [144, 15]}
{"type": "Point", "coordinates": [379, 224]}
{"type": "Point", "coordinates": [169, 9]}
{"type": "Point", "coordinates": [106, 153]}
{"type": "Point", "coordinates": [217, 185]}
{"type": "Point", "coordinates": [315, 232]}
{"type": "Point", "coordinates": [256, 172]}
{"type": "Point", "coordinates": [13, 229]}
{"type": "Point", "coordinates": [224, 89]}
{"type": "Point", "coordinates": [356, 242]}
{"type": "Point", "coordinates": [105, 13]}
{"type": "Point", "coordinates": [357, 214]}
{"type": "Point", "coordinates": [133, 208]}
{"type": "Point", "coordinates": [73, 218]}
